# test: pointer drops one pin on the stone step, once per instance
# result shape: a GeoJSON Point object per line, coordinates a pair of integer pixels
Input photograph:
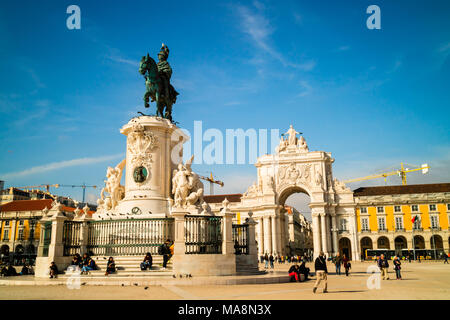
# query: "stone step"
{"type": "Point", "coordinates": [97, 274]}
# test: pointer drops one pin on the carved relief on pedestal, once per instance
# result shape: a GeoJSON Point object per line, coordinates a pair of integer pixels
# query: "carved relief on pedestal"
{"type": "Point", "coordinates": [186, 186]}
{"type": "Point", "coordinates": [140, 144]}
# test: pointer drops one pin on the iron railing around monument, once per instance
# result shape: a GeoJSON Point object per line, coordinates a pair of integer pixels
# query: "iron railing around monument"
{"type": "Point", "coordinates": [203, 234]}
{"type": "Point", "coordinates": [128, 236]}
{"type": "Point", "coordinates": [240, 238]}
{"type": "Point", "coordinates": [72, 238]}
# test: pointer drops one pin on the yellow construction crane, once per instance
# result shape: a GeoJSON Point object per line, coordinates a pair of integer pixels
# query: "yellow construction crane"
{"type": "Point", "coordinates": [211, 181]}
{"type": "Point", "coordinates": [400, 172]}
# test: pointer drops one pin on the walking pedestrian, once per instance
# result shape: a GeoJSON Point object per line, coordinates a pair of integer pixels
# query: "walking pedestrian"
{"type": "Point", "coordinates": [383, 265]}
{"type": "Point", "coordinates": [271, 258]}
{"type": "Point", "coordinates": [266, 261]}
{"type": "Point", "coordinates": [321, 272]}
{"type": "Point", "coordinates": [347, 264]}
{"type": "Point", "coordinates": [397, 267]}
{"type": "Point", "coordinates": [445, 258]}
{"type": "Point", "coordinates": [337, 262]}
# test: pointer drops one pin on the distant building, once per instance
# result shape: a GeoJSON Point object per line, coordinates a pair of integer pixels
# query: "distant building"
{"type": "Point", "coordinates": [20, 226]}
{"type": "Point", "coordinates": [385, 217]}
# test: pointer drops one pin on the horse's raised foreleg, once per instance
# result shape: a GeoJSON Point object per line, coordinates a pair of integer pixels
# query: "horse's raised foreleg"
{"type": "Point", "coordinates": [146, 98]}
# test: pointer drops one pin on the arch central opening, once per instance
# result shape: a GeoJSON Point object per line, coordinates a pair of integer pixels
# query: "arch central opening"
{"type": "Point", "coordinates": [295, 202]}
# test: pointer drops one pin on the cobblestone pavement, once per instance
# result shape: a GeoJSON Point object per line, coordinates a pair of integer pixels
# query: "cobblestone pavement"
{"type": "Point", "coordinates": [429, 280]}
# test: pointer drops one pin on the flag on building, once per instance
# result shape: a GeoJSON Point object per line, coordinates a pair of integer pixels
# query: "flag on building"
{"type": "Point", "coordinates": [414, 219]}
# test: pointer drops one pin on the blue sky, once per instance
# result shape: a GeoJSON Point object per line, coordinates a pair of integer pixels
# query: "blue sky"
{"type": "Point", "coordinates": [373, 98]}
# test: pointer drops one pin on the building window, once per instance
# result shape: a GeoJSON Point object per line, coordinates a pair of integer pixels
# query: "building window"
{"type": "Point", "coordinates": [6, 223]}
{"type": "Point", "coordinates": [20, 222]}
{"type": "Point", "coordinates": [380, 209]}
{"type": "Point", "coordinates": [448, 206]}
{"type": "Point", "coordinates": [6, 235]}
{"type": "Point", "coordinates": [343, 224]}
{"type": "Point", "coordinates": [364, 210]}
{"type": "Point", "coordinates": [381, 223]}
{"type": "Point", "coordinates": [417, 224]}
{"type": "Point", "coordinates": [397, 209]}
{"type": "Point", "coordinates": [434, 221]}
{"type": "Point", "coordinates": [398, 223]}
{"type": "Point", "coordinates": [365, 224]}
{"type": "Point", "coordinates": [31, 234]}
{"type": "Point", "coordinates": [20, 235]}
{"type": "Point", "coordinates": [432, 207]}
{"type": "Point", "coordinates": [414, 208]}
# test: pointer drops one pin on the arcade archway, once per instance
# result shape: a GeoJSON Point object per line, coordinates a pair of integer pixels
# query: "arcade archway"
{"type": "Point", "coordinates": [419, 242]}
{"type": "Point", "coordinates": [383, 243]}
{"type": "Point", "coordinates": [366, 244]}
{"type": "Point", "coordinates": [345, 247]}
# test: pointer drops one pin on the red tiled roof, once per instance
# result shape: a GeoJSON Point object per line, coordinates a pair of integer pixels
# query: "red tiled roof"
{"type": "Point", "coordinates": [218, 198]}
{"type": "Point", "coordinates": [408, 189]}
{"type": "Point", "coordinates": [32, 205]}
{"type": "Point", "coordinates": [26, 205]}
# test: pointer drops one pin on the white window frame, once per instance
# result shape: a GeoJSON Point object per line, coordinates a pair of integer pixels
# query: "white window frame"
{"type": "Point", "coordinates": [412, 208]}
{"type": "Point", "coordinates": [384, 223]}
{"type": "Point", "coordinates": [363, 209]}
{"type": "Point", "coordinates": [365, 224]}
{"type": "Point", "coordinates": [343, 224]}
{"type": "Point", "coordinates": [434, 217]}
{"type": "Point", "coordinates": [20, 235]}
{"type": "Point", "coordinates": [21, 222]}
{"type": "Point", "coordinates": [382, 210]}
{"type": "Point", "coordinates": [432, 210]}
{"type": "Point", "coordinates": [417, 223]}
{"type": "Point", "coordinates": [6, 234]}
{"type": "Point", "coordinates": [400, 209]}
{"type": "Point", "coordinates": [398, 218]}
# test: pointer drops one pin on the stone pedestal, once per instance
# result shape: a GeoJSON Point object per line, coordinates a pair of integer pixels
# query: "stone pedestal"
{"type": "Point", "coordinates": [154, 149]}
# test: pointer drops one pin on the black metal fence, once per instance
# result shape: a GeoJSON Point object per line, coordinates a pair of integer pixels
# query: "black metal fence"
{"type": "Point", "coordinates": [203, 234]}
{"type": "Point", "coordinates": [240, 238]}
{"type": "Point", "coordinates": [72, 237]}
{"type": "Point", "coordinates": [128, 237]}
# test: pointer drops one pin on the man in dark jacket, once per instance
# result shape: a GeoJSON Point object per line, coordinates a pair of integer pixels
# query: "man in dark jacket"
{"type": "Point", "coordinates": [383, 265]}
{"type": "Point", "coordinates": [321, 272]}
{"type": "Point", "coordinates": [166, 253]}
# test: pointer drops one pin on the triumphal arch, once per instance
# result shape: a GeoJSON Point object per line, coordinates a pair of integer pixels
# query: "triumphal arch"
{"type": "Point", "coordinates": [291, 169]}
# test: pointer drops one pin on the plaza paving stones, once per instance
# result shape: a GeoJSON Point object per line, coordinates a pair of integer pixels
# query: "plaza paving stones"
{"type": "Point", "coordinates": [430, 280]}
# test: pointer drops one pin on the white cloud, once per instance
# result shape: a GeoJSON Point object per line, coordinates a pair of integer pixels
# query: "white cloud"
{"type": "Point", "coordinates": [343, 48]}
{"type": "Point", "coordinates": [59, 165]}
{"type": "Point", "coordinates": [306, 89]}
{"type": "Point", "coordinates": [258, 27]}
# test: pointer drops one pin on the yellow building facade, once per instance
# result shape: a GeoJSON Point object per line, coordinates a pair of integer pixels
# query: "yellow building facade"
{"type": "Point", "coordinates": [385, 214]}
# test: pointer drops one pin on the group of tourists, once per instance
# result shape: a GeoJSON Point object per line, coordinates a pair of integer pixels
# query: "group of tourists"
{"type": "Point", "coordinates": [87, 264]}
{"type": "Point", "coordinates": [339, 261]}
{"type": "Point", "coordinates": [269, 259]}
{"type": "Point", "coordinates": [383, 265]}
{"type": "Point", "coordinates": [8, 270]}
{"type": "Point", "coordinates": [295, 272]}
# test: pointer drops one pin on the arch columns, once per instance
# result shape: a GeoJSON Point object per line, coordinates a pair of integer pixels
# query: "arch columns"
{"type": "Point", "coordinates": [334, 231]}
{"type": "Point", "coordinates": [317, 243]}
{"type": "Point", "coordinates": [267, 235]}
{"type": "Point", "coordinates": [260, 236]}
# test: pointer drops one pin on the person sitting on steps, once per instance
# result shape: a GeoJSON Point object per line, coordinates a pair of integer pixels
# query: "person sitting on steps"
{"type": "Point", "coordinates": [147, 263]}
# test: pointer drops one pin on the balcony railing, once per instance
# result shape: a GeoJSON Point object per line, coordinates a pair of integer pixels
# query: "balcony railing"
{"type": "Point", "coordinates": [435, 228]}
{"type": "Point", "coordinates": [383, 230]}
{"type": "Point", "coordinates": [366, 230]}
{"type": "Point", "coordinates": [400, 229]}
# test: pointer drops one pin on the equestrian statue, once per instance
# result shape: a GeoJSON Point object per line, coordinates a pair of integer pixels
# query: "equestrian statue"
{"type": "Point", "coordinates": [157, 83]}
